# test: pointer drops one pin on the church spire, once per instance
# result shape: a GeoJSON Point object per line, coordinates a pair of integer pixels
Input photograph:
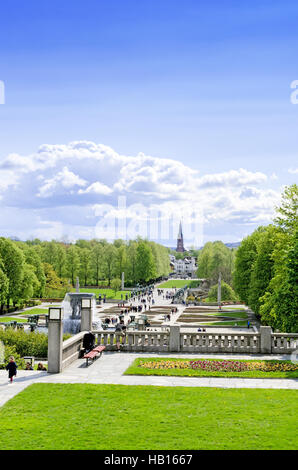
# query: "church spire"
{"type": "Point", "coordinates": [180, 246]}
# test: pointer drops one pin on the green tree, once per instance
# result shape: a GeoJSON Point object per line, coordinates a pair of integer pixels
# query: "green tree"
{"type": "Point", "coordinates": [116, 285]}
{"type": "Point", "coordinates": [72, 263]}
{"type": "Point", "coordinates": [85, 259]}
{"type": "Point", "coordinates": [13, 263]}
{"type": "Point", "coordinates": [145, 268]}
{"type": "Point", "coordinates": [4, 286]}
{"type": "Point", "coordinates": [262, 267]}
{"type": "Point", "coordinates": [244, 260]}
{"type": "Point", "coordinates": [109, 262]}
{"type": "Point", "coordinates": [227, 293]}
{"type": "Point", "coordinates": [288, 210]}
{"type": "Point", "coordinates": [96, 261]}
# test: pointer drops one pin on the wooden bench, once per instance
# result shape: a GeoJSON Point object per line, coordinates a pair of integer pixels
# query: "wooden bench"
{"type": "Point", "coordinates": [97, 351]}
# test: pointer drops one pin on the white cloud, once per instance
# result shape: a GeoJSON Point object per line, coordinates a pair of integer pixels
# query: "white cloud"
{"type": "Point", "coordinates": [293, 171]}
{"type": "Point", "coordinates": [63, 179]}
{"type": "Point", "coordinates": [76, 180]}
{"type": "Point", "coordinates": [96, 188]}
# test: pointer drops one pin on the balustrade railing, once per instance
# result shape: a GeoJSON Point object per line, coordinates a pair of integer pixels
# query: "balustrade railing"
{"type": "Point", "coordinates": [284, 342]}
{"type": "Point", "coordinates": [211, 342]}
{"type": "Point", "coordinates": [134, 340]}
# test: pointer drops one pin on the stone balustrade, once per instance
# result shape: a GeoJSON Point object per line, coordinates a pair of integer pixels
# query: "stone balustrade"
{"type": "Point", "coordinates": [284, 343]}
{"type": "Point", "coordinates": [173, 339]}
{"type": "Point", "coordinates": [223, 343]}
{"type": "Point", "coordinates": [134, 340]}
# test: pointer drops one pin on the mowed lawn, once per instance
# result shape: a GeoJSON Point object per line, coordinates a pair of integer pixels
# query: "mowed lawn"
{"type": "Point", "coordinates": [119, 417]}
{"type": "Point", "coordinates": [178, 283]}
{"type": "Point", "coordinates": [109, 293]}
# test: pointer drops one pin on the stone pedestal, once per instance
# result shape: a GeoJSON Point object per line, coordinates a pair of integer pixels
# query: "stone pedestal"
{"type": "Point", "coordinates": [86, 319]}
{"type": "Point", "coordinates": [55, 340]}
{"type": "Point", "coordinates": [174, 345]}
{"type": "Point", "coordinates": [266, 340]}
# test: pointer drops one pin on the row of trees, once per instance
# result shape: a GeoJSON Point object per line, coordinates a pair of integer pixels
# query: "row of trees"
{"type": "Point", "coordinates": [266, 267]}
{"type": "Point", "coordinates": [35, 268]}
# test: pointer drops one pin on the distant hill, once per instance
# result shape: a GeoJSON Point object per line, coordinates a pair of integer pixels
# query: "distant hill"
{"type": "Point", "coordinates": [233, 245]}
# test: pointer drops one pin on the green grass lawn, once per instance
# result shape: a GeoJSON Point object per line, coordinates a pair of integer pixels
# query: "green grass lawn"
{"type": "Point", "coordinates": [36, 311]}
{"type": "Point", "coordinates": [119, 417]}
{"type": "Point", "coordinates": [18, 320]}
{"type": "Point", "coordinates": [134, 369]}
{"type": "Point", "coordinates": [226, 323]}
{"type": "Point", "coordinates": [178, 283]}
{"type": "Point", "coordinates": [108, 292]}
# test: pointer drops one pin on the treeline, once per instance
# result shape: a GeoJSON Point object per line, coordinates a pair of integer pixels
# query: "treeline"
{"type": "Point", "coordinates": [266, 267]}
{"type": "Point", "coordinates": [38, 268]}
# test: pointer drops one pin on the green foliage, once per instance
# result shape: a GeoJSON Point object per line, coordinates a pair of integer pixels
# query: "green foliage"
{"type": "Point", "coordinates": [215, 258]}
{"type": "Point", "coordinates": [36, 269]}
{"type": "Point", "coordinates": [116, 285]}
{"type": "Point", "coordinates": [25, 344]}
{"type": "Point", "coordinates": [227, 293]}
{"type": "Point", "coordinates": [266, 267]}
{"type": "Point", "coordinates": [11, 351]}
{"type": "Point", "coordinates": [146, 268]}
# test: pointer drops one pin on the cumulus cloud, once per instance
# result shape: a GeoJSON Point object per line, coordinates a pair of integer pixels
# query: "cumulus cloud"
{"type": "Point", "coordinates": [64, 179]}
{"type": "Point", "coordinates": [66, 187]}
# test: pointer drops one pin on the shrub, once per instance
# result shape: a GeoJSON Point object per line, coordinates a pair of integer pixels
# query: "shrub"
{"type": "Point", "coordinates": [25, 344]}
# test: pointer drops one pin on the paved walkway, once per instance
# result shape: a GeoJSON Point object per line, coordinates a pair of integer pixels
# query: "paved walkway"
{"type": "Point", "coordinates": [110, 367]}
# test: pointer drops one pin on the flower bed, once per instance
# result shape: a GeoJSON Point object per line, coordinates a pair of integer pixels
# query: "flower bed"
{"type": "Point", "coordinates": [214, 368]}
{"type": "Point", "coordinates": [223, 365]}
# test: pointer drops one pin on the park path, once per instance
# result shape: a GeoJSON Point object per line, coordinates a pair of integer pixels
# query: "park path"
{"type": "Point", "coordinates": [110, 367]}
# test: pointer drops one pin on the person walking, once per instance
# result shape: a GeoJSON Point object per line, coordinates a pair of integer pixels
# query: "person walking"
{"type": "Point", "coordinates": [12, 368]}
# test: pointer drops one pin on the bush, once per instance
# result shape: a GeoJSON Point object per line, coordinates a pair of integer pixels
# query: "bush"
{"type": "Point", "coordinates": [25, 344]}
{"type": "Point", "coordinates": [11, 351]}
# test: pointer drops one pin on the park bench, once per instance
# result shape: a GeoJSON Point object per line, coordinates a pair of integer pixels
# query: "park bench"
{"type": "Point", "coordinates": [97, 351]}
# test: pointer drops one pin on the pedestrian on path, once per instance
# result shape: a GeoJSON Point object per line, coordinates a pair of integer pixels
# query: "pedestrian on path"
{"type": "Point", "coordinates": [12, 368]}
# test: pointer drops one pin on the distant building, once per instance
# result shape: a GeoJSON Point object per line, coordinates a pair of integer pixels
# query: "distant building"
{"type": "Point", "coordinates": [184, 267]}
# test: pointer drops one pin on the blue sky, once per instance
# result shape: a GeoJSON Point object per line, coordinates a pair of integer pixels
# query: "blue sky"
{"type": "Point", "coordinates": [203, 83]}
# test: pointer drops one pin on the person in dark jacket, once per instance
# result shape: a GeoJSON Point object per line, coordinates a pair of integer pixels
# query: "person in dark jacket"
{"type": "Point", "coordinates": [12, 368]}
{"type": "Point", "coordinates": [89, 341]}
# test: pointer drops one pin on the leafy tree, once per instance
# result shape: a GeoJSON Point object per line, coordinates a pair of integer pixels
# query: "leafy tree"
{"type": "Point", "coordinates": [244, 259]}
{"type": "Point", "coordinates": [116, 285]}
{"type": "Point", "coordinates": [85, 259]}
{"type": "Point", "coordinates": [53, 282]}
{"type": "Point", "coordinates": [288, 210]}
{"type": "Point", "coordinates": [96, 261]}
{"type": "Point", "coordinates": [32, 257]}
{"type": "Point", "coordinates": [29, 284]}
{"type": "Point", "coordinates": [120, 260]}
{"type": "Point", "coordinates": [145, 268]}
{"type": "Point", "coordinates": [60, 264]}
{"type": "Point", "coordinates": [72, 263]}
{"type": "Point", "coordinates": [50, 253]}
{"type": "Point", "coordinates": [13, 263]}
{"type": "Point", "coordinates": [227, 293]}
{"type": "Point", "coordinates": [109, 262]}
{"type": "Point", "coordinates": [262, 267]}
{"type": "Point", "coordinates": [4, 286]}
